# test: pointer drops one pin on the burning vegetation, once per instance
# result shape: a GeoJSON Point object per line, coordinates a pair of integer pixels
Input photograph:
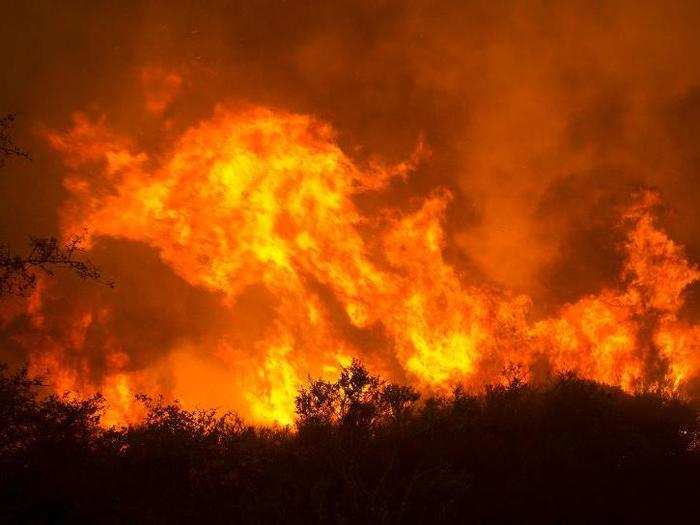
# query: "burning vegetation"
{"type": "Point", "coordinates": [258, 208]}
{"type": "Point", "coordinates": [568, 450]}
{"type": "Point", "coordinates": [492, 206]}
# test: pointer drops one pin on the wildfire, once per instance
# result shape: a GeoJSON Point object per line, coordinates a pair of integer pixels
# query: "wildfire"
{"type": "Point", "coordinates": [259, 203]}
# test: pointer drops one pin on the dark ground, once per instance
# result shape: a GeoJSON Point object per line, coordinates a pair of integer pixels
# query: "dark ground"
{"type": "Point", "coordinates": [569, 451]}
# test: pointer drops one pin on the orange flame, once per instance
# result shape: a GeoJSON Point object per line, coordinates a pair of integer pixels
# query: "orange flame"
{"type": "Point", "coordinates": [255, 199]}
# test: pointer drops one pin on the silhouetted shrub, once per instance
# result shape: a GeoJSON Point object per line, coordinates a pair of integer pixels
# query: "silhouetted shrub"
{"type": "Point", "coordinates": [569, 451]}
{"type": "Point", "coordinates": [357, 399]}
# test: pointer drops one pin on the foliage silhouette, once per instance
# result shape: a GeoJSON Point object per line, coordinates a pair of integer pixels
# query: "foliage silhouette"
{"type": "Point", "coordinates": [357, 399]}
{"type": "Point", "coordinates": [365, 450]}
{"type": "Point", "coordinates": [8, 148]}
{"type": "Point", "coordinates": [18, 272]}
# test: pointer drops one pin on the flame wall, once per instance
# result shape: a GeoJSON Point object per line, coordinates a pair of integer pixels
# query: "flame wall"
{"type": "Point", "coordinates": [440, 191]}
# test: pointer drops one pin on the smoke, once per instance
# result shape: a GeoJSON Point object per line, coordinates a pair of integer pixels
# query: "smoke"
{"type": "Point", "coordinates": [541, 119]}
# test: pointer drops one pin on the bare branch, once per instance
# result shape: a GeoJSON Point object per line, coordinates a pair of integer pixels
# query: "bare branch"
{"type": "Point", "coordinates": [18, 274]}
{"type": "Point", "coordinates": [8, 148]}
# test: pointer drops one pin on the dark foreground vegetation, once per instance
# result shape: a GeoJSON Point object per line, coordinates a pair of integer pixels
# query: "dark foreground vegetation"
{"type": "Point", "coordinates": [570, 451]}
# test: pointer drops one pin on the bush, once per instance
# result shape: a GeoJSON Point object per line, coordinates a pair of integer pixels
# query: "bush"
{"type": "Point", "coordinates": [365, 450]}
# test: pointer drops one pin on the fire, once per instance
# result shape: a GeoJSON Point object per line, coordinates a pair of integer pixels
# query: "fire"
{"type": "Point", "coordinates": [259, 203]}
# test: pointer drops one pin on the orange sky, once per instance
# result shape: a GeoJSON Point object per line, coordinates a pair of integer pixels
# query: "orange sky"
{"type": "Point", "coordinates": [496, 145]}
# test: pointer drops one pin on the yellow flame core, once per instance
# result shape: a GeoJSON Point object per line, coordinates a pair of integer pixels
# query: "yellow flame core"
{"type": "Point", "coordinates": [262, 198]}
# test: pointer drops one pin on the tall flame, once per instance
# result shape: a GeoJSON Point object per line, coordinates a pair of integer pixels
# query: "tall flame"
{"type": "Point", "coordinates": [262, 202]}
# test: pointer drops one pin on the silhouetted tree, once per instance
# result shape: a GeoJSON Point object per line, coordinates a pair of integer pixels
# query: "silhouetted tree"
{"type": "Point", "coordinates": [18, 272]}
{"type": "Point", "coordinates": [567, 451]}
{"type": "Point", "coordinates": [356, 399]}
{"type": "Point", "coordinates": [8, 148]}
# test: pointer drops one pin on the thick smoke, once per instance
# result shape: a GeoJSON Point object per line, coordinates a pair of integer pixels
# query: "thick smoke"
{"type": "Point", "coordinates": [542, 119]}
